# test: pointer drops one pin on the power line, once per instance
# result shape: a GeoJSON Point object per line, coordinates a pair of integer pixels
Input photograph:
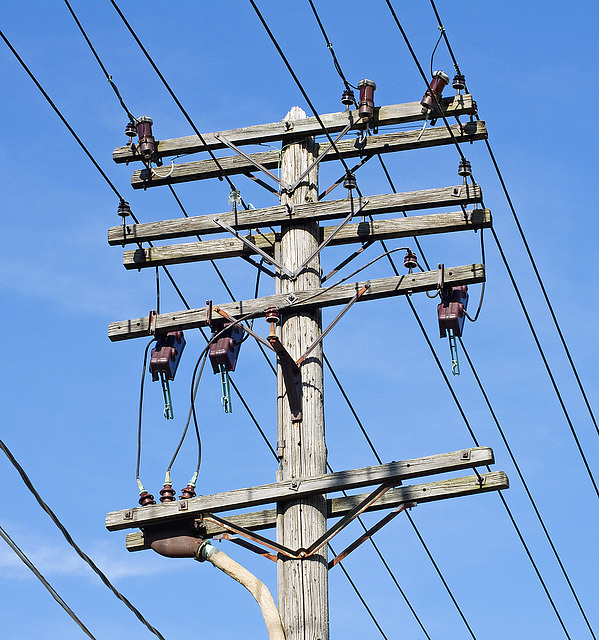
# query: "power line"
{"type": "Point", "coordinates": [223, 174]}
{"type": "Point", "coordinates": [59, 114]}
{"type": "Point", "coordinates": [73, 544]}
{"type": "Point", "coordinates": [526, 489]}
{"type": "Point", "coordinates": [299, 85]}
{"type": "Point", "coordinates": [36, 572]}
{"type": "Point", "coordinates": [545, 362]}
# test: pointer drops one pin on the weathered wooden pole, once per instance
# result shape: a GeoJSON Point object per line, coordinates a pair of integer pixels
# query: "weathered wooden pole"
{"type": "Point", "coordinates": [303, 584]}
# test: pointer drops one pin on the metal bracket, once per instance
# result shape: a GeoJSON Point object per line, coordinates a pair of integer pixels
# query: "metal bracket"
{"type": "Point", "coordinates": [335, 321]}
{"type": "Point", "coordinates": [320, 157]}
{"type": "Point", "coordinates": [253, 247]}
{"type": "Point", "coordinates": [317, 544]}
{"type": "Point", "coordinates": [368, 534]}
{"type": "Point", "coordinates": [292, 377]}
{"type": "Point", "coordinates": [249, 158]}
{"type": "Point", "coordinates": [292, 274]}
{"type": "Point", "coordinates": [324, 243]}
{"type": "Point", "coordinates": [260, 339]}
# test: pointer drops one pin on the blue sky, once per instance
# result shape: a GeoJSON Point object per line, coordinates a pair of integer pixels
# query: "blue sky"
{"type": "Point", "coordinates": [70, 397]}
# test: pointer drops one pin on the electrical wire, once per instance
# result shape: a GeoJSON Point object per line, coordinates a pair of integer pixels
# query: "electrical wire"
{"type": "Point", "coordinates": [36, 572]}
{"type": "Point", "coordinates": [542, 286]}
{"type": "Point", "coordinates": [299, 85]}
{"type": "Point", "coordinates": [73, 544]}
{"type": "Point", "coordinates": [348, 86]}
{"type": "Point", "coordinates": [223, 173]}
{"type": "Point", "coordinates": [132, 118]}
{"type": "Point", "coordinates": [63, 119]}
{"type": "Point", "coordinates": [525, 485]}
{"type": "Point", "coordinates": [546, 363]}
{"type": "Point", "coordinates": [141, 402]}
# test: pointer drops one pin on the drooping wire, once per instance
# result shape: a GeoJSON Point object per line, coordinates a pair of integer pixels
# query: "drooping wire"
{"type": "Point", "coordinates": [74, 545]}
{"type": "Point", "coordinates": [419, 66]}
{"type": "Point", "coordinates": [525, 485]}
{"type": "Point", "coordinates": [348, 86]}
{"type": "Point", "coordinates": [36, 572]}
{"type": "Point", "coordinates": [63, 119]}
{"type": "Point", "coordinates": [223, 174]}
{"type": "Point", "coordinates": [435, 48]}
{"type": "Point", "coordinates": [141, 403]}
{"type": "Point", "coordinates": [132, 118]}
{"type": "Point", "coordinates": [456, 66]}
{"type": "Point", "coordinates": [546, 363]}
{"type": "Point", "coordinates": [300, 87]}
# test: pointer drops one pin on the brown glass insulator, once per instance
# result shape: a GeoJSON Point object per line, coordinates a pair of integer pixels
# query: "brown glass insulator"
{"type": "Point", "coordinates": [465, 169]}
{"type": "Point", "coordinates": [350, 181]}
{"type": "Point", "coordinates": [187, 493]}
{"type": "Point", "coordinates": [272, 315]}
{"type": "Point", "coordinates": [147, 144]}
{"type": "Point", "coordinates": [459, 82]}
{"type": "Point", "coordinates": [410, 261]}
{"type": "Point", "coordinates": [130, 131]}
{"type": "Point", "coordinates": [146, 499]}
{"type": "Point", "coordinates": [167, 493]}
{"type": "Point", "coordinates": [123, 209]}
{"type": "Point", "coordinates": [366, 104]}
{"type": "Point", "coordinates": [348, 98]}
{"type": "Point", "coordinates": [435, 89]}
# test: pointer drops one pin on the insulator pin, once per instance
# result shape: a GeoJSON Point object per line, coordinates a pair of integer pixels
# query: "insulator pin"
{"type": "Point", "coordinates": [147, 144]}
{"type": "Point", "coordinates": [465, 169]}
{"type": "Point", "coordinates": [272, 315]}
{"type": "Point", "coordinates": [350, 181]}
{"type": "Point", "coordinates": [458, 82]}
{"type": "Point", "coordinates": [123, 210]}
{"type": "Point", "coordinates": [130, 132]}
{"type": "Point", "coordinates": [410, 261]}
{"type": "Point", "coordinates": [146, 498]}
{"type": "Point", "coordinates": [187, 493]}
{"type": "Point", "coordinates": [167, 493]}
{"type": "Point", "coordinates": [348, 98]}
{"type": "Point", "coordinates": [366, 104]}
{"type": "Point", "coordinates": [435, 89]}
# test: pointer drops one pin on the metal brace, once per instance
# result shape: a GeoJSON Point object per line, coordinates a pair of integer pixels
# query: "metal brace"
{"type": "Point", "coordinates": [335, 321]}
{"type": "Point", "coordinates": [249, 158]}
{"type": "Point", "coordinates": [292, 377]}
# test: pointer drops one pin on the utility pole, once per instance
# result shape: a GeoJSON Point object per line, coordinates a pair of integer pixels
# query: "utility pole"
{"type": "Point", "coordinates": [302, 583]}
{"type": "Point", "coordinates": [303, 509]}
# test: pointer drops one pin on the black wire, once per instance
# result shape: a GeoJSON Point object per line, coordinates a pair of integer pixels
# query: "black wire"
{"type": "Point", "coordinates": [13, 545]}
{"type": "Point", "coordinates": [355, 588]}
{"type": "Point", "coordinates": [415, 58]}
{"type": "Point", "coordinates": [71, 542]}
{"type": "Point", "coordinates": [525, 485]}
{"type": "Point", "coordinates": [64, 121]}
{"type": "Point", "coordinates": [458, 405]}
{"type": "Point", "coordinates": [442, 28]}
{"type": "Point", "coordinates": [542, 286]}
{"type": "Point", "coordinates": [132, 118]}
{"type": "Point", "coordinates": [223, 174]}
{"type": "Point", "coordinates": [330, 48]}
{"type": "Point", "coordinates": [547, 367]}
{"type": "Point", "coordinates": [141, 403]}
{"type": "Point", "coordinates": [436, 45]}
{"type": "Point", "coordinates": [299, 85]}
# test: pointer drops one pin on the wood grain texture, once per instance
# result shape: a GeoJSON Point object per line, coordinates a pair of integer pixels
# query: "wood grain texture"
{"type": "Point", "coordinates": [385, 143]}
{"type": "Point", "coordinates": [337, 507]}
{"type": "Point", "coordinates": [278, 491]}
{"type": "Point", "coordinates": [324, 210]}
{"type": "Point", "coordinates": [342, 294]}
{"type": "Point", "coordinates": [273, 131]}
{"type": "Point", "coordinates": [360, 232]}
